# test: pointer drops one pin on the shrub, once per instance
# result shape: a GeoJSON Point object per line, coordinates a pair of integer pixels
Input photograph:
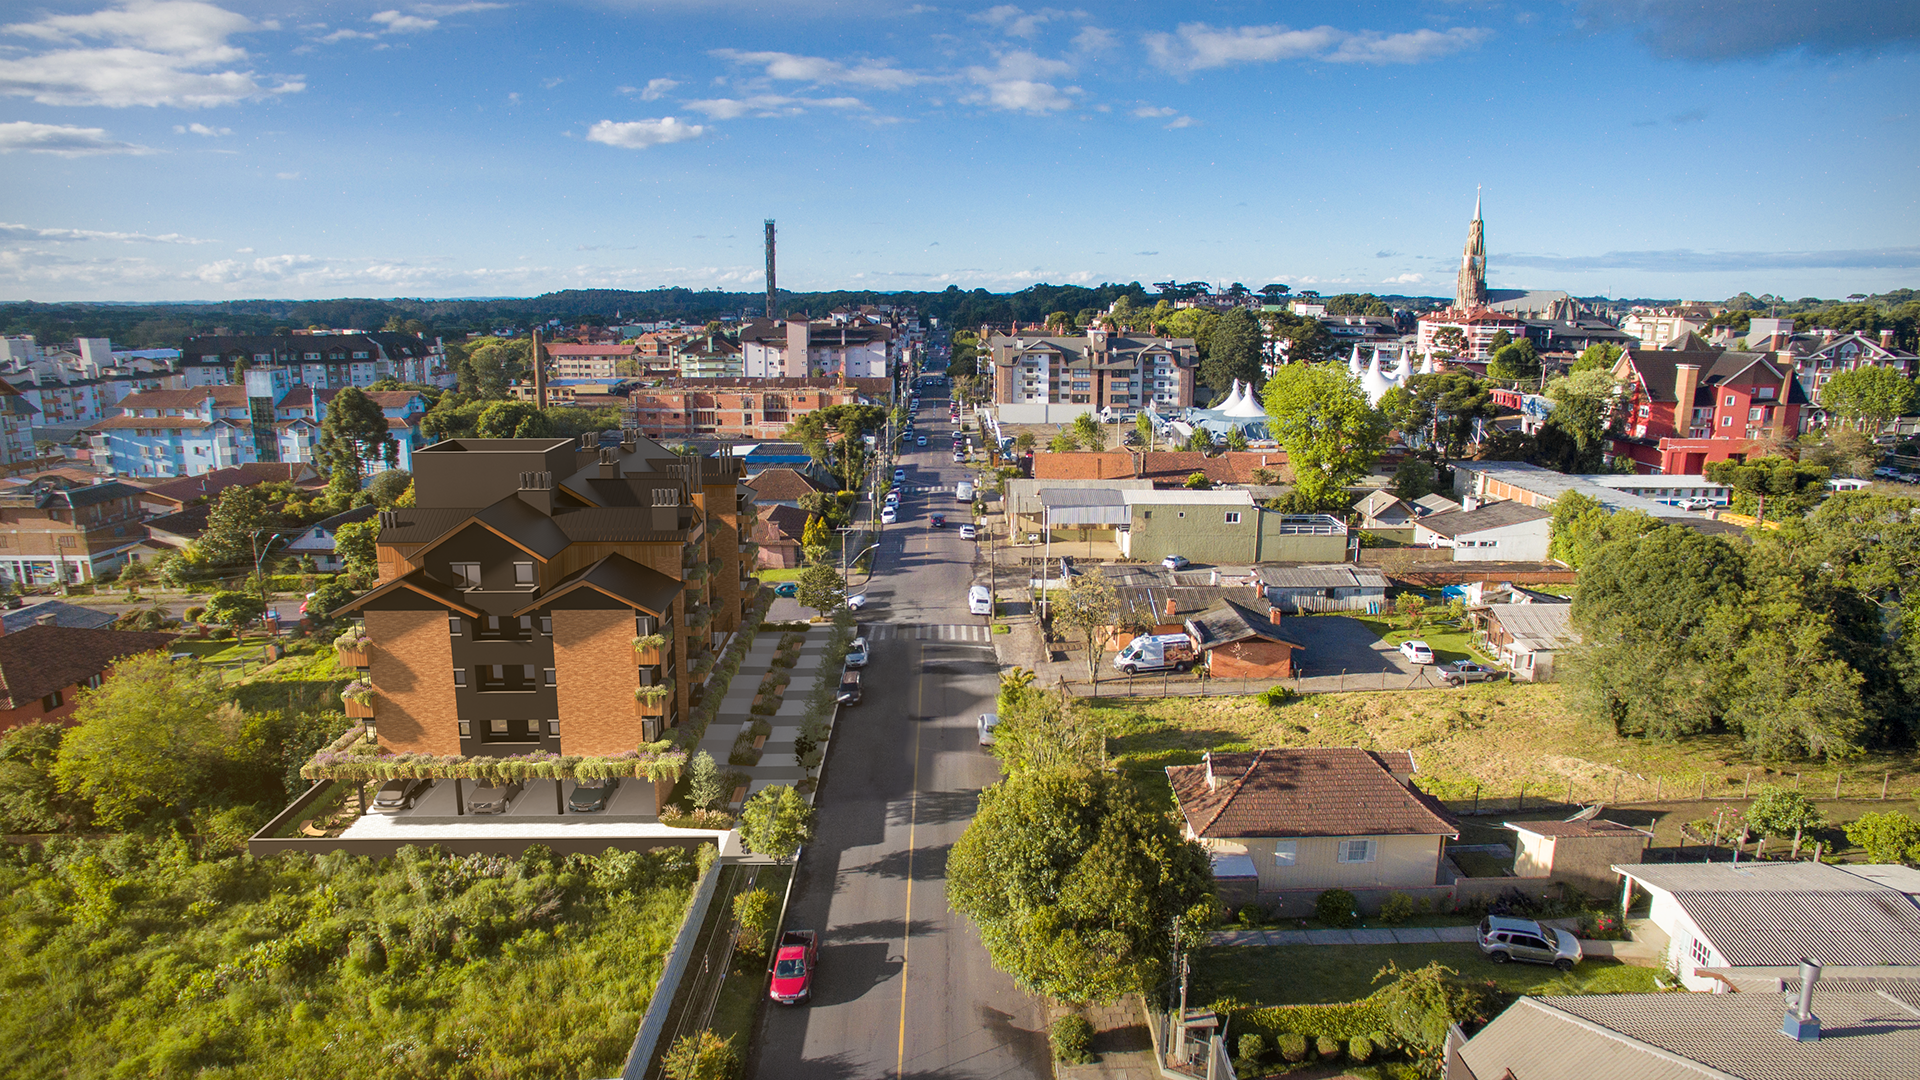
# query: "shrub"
{"type": "Point", "coordinates": [1888, 838]}
{"type": "Point", "coordinates": [700, 1056]}
{"type": "Point", "coordinates": [1397, 908]}
{"type": "Point", "coordinates": [193, 614]}
{"type": "Point", "coordinates": [1335, 907]}
{"type": "Point", "coordinates": [1252, 1048]}
{"type": "Point", "coordinates": [1359, 1048]}
{"type": "Point", "coordinates": [1293, 1046]}
{"type": "Point", "coordinates": [1071, 1036]}
{"type": "Point", "coordinates": [1327, 1046]}
{"type": "Point", "coordinates": [1276, 696]}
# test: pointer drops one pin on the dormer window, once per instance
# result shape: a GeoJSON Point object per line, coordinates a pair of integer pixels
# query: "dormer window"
{"type": "Point", "coordinates": [466, 575]}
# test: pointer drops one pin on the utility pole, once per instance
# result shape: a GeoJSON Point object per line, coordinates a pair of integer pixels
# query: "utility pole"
{"type": "Point", "coordinates": [769, 269]}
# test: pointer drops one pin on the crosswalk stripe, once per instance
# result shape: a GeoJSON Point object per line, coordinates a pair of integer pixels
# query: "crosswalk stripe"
{"type": "Point", "coordinates": [928, 632]}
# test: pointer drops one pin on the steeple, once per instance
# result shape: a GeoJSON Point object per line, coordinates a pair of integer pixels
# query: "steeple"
{"type": "Point", "coordinates": [1470, 288]}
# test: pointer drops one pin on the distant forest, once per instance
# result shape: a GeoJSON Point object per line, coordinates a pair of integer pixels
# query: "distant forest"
{"type": "Point", "coordinates": [167, 325]}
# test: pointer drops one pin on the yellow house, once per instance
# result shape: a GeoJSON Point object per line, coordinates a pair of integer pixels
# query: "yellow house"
{"type": "Point", "coordinates": [1300, 821]}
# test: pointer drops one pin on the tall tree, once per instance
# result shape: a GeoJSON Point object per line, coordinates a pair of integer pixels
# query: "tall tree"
{"type": "Point", "coordinates": [148, 741]}
{"type": "Point", "coordinates": [1076, 883]}
{"type": "Point", "coordinates": [1583, 405]}
{"type": "Point", "coordinates": [1089, 606]}
{"type": "Point", "coordinates": [238, 520]}
{"type": "Point", "coordinates": [1599, 356]}
{"type": "Point", "coordinates": [1088, 432]}
{"type": "Point", "coordinates": [1868, 397]}
{"type": "Point", "coordinates": [512, 420]}
{"type": "Point", "coordinates": [1514, 362]}
{"type": "Point", "coordinates": [353, 438]}
{"type": "Point", "coordinates": [1440, 409]}
{"type": "Point", "coordinates": [1320, 416]}
{"type": "Point", "coordinates": [1770, 486]}
{"type": "Point", "coordinates": [1236, 352]}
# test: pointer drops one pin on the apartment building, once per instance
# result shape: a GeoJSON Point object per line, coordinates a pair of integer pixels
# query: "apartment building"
{"type": "Point", "coordinates": [1040, 378]}
{"type": "Point", "coordinates": [325, 359]}
{"type": "Point", "coordinates": [53, 531]}
{"type": "Point", "coordinates": [575, 360]}
{"type": "Point", "coordinates": [1689, 406]}
{"type": "Point", "coordinates": [751, 409]}
{"type": "Point", "coordinates": [552, 595]}
{"type": "Point", "coordinates": [857, 348]}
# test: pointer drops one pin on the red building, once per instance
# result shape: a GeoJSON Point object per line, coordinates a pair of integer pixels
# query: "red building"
{"type": "Point", "coordinates": [1687, 406]}
{"type": "Point", "coordinates": [44, 668]}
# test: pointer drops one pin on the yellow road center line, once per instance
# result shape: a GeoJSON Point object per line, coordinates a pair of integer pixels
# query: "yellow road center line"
{"type": "Point", "coordinates": [913, 813]}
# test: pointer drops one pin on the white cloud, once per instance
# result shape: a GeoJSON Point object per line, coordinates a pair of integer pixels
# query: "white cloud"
{"type": "Point", "coordinates": [1406, 279]}
{"type": "Point", "coordinates": [768, 105]}
{"type": "Point", "coordinates": [151, 52]}
{"type": "Point", "coordinates": [62, 139]}
{"type": "Point", "coordinates": [286, 176]}
{"type": "Point", "coordinates": [1198, 46]}
{"type": "Point", "coordinates": [654, 90]}
{"type": "Point", "coordinates": [201, 129]}
{"type": "Point", "coordinates": [1014, 22]}
{"type": "Point", "coordinates": [1093, 39]}
{"type": "Point", "coordinates": [11, 231]}
{"type": "Point", "coordinates": [640, 134]}
{"type": "Point", "coordinates": [1149, 112]}
{"type": "Point", "coordinates": [1185, 121]}
{"type": "Point", "coordinates": [455, 9]}
{"type": "Point", "coordinates": [790, 67]}
{"type": "Point", "coordinates": [397, 23]}
{"type": "Point", "coordinates": [1016, 84]}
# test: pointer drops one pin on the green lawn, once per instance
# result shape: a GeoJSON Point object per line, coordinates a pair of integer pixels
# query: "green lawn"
{"type": "Point", "coordinates": [1314, 974]}
{"type": "Point", "coordinates": [771, 576]}
{"type": "Point", "coordinates": [1449, 643]}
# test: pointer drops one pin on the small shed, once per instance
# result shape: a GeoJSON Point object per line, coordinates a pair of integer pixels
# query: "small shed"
{"type": "Point", "coordinates": [1241, 643]}
{"type": "Point", "coordinates": [1526, 637]}
{"type": "Point", "coordinates": [1328, 587]}
{"type": "Point", "coordinates": [1581, 852]}
{"type": "Point", "coordinates": [1384, 510]}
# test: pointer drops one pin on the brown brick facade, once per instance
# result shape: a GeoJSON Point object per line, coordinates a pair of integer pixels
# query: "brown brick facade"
{"type": "Point", "coordinates": [593, 652]}
{"type": "Point", "coordinates": [411, 664]}
{"type": "Point", "coordinates": [1251, 660]}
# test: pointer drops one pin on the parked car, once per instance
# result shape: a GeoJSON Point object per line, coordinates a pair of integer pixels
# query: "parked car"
{"type": "Point", "coordinates": [1697, 503]}
{"type": "Point", "coordinates": [849, 692]}
{"type": "Point", "coordinates": [857, 653]}
{"type": "Point", "coordinates": [959, 457]}
{"type": "Point", "coordinates": [592, 796]}
{"type": "Point", "coordinates": [939, 521]}
{"type": "Point", "coordinates": [856, 601]}
{"type": "Point", "coordinates": [793, 961]}
{"type": "Point", "coordinates": [889, 514]}
{"type": "Point", "coordinates": [1503, 939]}
{"type": "Point", "coordinates": [987, 722]}
{"type": "Point", "coordinates": [398, 795]}
{"type": "Point", "coordinates": [786, 588]}
{"type": "Point", "coordinates": [979, 600]}
{"type": "Point", "coordinates": [1462, 672]}
{"type": "Point", "coordinates": [967, 532]}
{"type": "Point", "coordinates": [492, 800]}
{"type": "Point", "coordinates": [893, 497]}
{"type": "Point", "coordinates": [920, 441]}
{"type": "Point", "coordinates": [1175, 562]}
{"type": "Point", "coordinates": [1416, 652]}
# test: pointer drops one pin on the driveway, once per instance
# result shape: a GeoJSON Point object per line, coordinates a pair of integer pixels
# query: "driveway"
{"type": "Point", "coordinates": [1336, 644]}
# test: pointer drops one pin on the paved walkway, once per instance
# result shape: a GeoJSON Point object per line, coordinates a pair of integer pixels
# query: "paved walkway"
{"type": "Point", "coordinates": [1122, 1048]}
{"type": "Point", "coordinates": [778, 762]}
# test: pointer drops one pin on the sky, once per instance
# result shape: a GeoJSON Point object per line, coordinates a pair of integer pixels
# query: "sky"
{"type": "Point", "coordinates": [186, 150]}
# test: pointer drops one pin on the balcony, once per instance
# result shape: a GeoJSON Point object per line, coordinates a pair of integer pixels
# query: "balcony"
{"type": "Point", "coordinates": [357, 698]}
{"type": "Point", "coordinates": [653, 701]}
{"type": "Point", "coordinates": [653, 649]}
{"type": "Point", "coordinates": [351, 648]}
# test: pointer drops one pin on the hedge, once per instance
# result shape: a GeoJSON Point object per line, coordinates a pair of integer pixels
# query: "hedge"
{"type": "Point", "coordinates": [654, 761]}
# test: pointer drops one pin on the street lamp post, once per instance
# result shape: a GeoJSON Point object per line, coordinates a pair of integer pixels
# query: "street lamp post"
{"type": "Point", "coordinates": [260, 554]}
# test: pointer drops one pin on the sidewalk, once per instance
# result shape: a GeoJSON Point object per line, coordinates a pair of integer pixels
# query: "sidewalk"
{"type": "Point", "coordinates": [778, 763]}
{"type": "Point", "coordinates": [1122, 1048]}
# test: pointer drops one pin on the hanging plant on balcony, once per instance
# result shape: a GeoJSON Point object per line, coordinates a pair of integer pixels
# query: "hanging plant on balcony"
{"type": "Point", "coordinates": [359, 692]}
{"type": "Point", "coordinates": [354, 637]}
{"type": "Point", "coordinates": [654, 761]}
{"type": "Point", "coordinates": [699, 617]}
{"type": "Point", "coordinates": [652, 641]}
{"type": "Point", "coordinates": [714, 565]}
{"type": "Point", "coordinates": [655, 694]}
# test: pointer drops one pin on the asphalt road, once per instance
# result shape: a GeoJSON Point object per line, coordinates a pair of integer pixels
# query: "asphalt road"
{"type": "Point", "coordinates": [904, 987]}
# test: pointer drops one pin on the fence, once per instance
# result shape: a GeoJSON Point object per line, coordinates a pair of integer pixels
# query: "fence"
{"type": "Point", "coordinates": [1616, 787]}
{"type": "Point", "coordinates": [655, 1019]}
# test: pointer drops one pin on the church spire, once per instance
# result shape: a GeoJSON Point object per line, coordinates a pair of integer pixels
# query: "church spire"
{"type": "Point", "coordinates": [1470, 287]}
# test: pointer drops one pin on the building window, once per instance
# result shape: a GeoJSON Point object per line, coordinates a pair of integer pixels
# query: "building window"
{"type": "Point", "coordinates": [546, 625]}
{"type": "Point", "coordinates": [1233, 517]}
{"type": "Point", "coordinates": [453, 625]}
{"type": "Point", "coordinates": [523, 573]}
{"type": "Point", "coordinates": [1726, 421]}
{"type": "Point", "coordinates": [1285, 851]}
{"type": "Point", "coordinates": [497, 727]}
{"type": "Point", "coordinates": [506, 678]}
{"type": "Point", "coordinates": [466, 729]}
{"type": "Point", "coordinates": [550, 676]}
{"type": "Point", "coordinates": [1700, 953]}
{"type": "Point", "coordinates": [52, 701]}
{"type": "Point", "coordinates": [1356, 851]}
{"type": "Point", "coordinates": [553, 728]}
{"type": "Point", "coordinates": [459, 678]}
{"type": "Point", "coordinates": [1729, 400]}
{"type": "Point", "coordinates": [466, 574]}
{"type": "Point", "coordinates": [93, 682]}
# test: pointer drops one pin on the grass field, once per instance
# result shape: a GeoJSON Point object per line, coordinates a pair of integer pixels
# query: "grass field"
{"type": "Point", "coordinates": [770, 576]}
{"type": "Point", "coordinates": [1494, 736]}
{"type": "Point", "coordinates": [1314, 974]}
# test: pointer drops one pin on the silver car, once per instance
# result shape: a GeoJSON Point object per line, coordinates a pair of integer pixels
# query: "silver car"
{"type": "Point", "coordinates": [492, 800]}
{"type": "Point", "coordinates": [1503, 939]}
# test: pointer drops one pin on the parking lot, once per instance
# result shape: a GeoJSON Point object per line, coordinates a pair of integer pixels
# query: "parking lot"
{"type": "Point", "coordinates": [632, 802]}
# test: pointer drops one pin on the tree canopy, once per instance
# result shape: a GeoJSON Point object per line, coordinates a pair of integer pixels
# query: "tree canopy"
{"type": "Point", "coordinates": [1320, 416]}
{"type": "Point", "coordinates": [353, 438]}
{"type": "Point", "coordinates": [1868, 397]}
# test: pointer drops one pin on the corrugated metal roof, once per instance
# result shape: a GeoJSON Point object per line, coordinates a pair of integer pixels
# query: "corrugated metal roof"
{"type": "Point", "coordinates": [1537, 627]}
{"type": "Point", "coordinates": [1868, 1036]}
{"type": "Point", "coordinates": [1330, 576]}
{"type": "Point", "coordinates": [1772, 914]}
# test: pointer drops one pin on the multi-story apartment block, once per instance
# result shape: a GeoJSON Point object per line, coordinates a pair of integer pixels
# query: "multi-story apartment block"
{"type": "Point", "coordinates": [575, 360]}
{"type": "Point", "coordinates": [1682, 409]}
{"type": "Point", "coordinates": [1828, 356]}
{"type": "Point", "coordinates": [1476, 328]}
{"type": "Point", "coordinates": [552, 595]}
{"type": "Point", "coordinates": [16, 426]}
{"type": "Point", "coordinates": [1040, 378]}
{"type": "Point", "coordinates": [857, 348]}
{"type": "Point", "coordinates": [53, 532]}
{"type": "Point", "coordinates": [709, 356]}
{"type": "Point", "coordinates": [753, 409]}
{"type": "Point", "coordinates": [322, 359]}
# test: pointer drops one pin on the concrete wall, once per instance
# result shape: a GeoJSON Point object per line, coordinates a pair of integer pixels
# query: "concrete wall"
{"type": "Point", "coordinates": [1041, 412]}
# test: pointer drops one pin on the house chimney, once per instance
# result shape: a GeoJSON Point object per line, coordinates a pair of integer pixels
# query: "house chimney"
{"type": "Point", "coordinates": [1886, 339]}
{"type": "Point", "coordinates": [1686, 380]}
{"type": "Point", "coordinates": [1169, 609]}
{"type": "Point", "coordinates": [1780, 432]}
{"type": "Point", "coordinates": [1273, 615]}
{"type": "Point", "coordinates": [1800, 1024]}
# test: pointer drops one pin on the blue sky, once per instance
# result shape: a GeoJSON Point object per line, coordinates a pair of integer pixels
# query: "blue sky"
{"type": "Point", "coordinates": [185, 150]}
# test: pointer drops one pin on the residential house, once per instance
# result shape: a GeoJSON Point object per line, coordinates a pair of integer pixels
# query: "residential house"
{"type": "Point", "coordinates": [1494, 532]}
{"type": "Point", "coordinates": [1580, 852]}
{"type": "Point", "coordinates": [1532, 485]}
{"type": "Point", "coordinates": [316, 541]}
{"type": "Point", "coordinates": [709, 356]}
{"type": "Point", "coordinates": [1526, 637]}
{"type": "Point", "coordinates": [178, 529]}
{"type": "Point", "coordinates": [510, 595]}
{"type": "Point", "coordinates": [43, 668]}
{"type": "Point", "coordinates": [1308, 820]}
{"type": "Point", "coordinates": [1153, 599]}
{"type": "Point", "coordinates": [1434, 503]}
{"type": "Point", "coordinates": [754, 408]}
{"type": "Point", "coordinates": [55, 613]}
{"type": "Point", "coordinates": [782, 487]}
{"type": "Point", "coordinates": [1692, 404]}
{"type": "Point", "coordinates": [1382, 509]}
{"type": "Point", "coordinates": [1869, 1029]}
{"type": "Point", "coordinates": [1221, 526]}
{"type": "Point", "coordinates": [1850, 352]}
{"type": "Point", "coordinates": [1660, 327]}
{"type": "Point", "coordinates": [169, 496]}
{"type": "Point", "coordinates": [1038, 378]}
{"type": "Point", "coordinates": [1326, 587]}
{"type": "Point", "coordinates": [779, 533]}
{"type": "Point", "coordinates": [1242, 642]}
{"type": "Point", "coordinates": [1776, 914]}
{"type": "Point", "coordinates": [53, 533]}
{"type": "Point", "coordinates": [17, 416]}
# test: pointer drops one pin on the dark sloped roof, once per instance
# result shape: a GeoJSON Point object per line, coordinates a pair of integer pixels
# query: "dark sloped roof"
{"type": "Point", "coordinates": [512, 517]}
{"type": "Point", "coordinates": [213, 483]}
{"type": "Point", "coordinates": [619, 577]}
{"type": "Point", "coordinates": [1494, 515]}
{"type": "Point", "coordinates": [1337, 791]}
{"type": "Point", "coordinates": [38, 660]}
{"type": "Point", "coordinates": [781, 485]}
{"type": "Point", "coordinates": [64, 614]}
{"type": "Point", "coordinates": [784, 522]}
{"type": "Point", "coordinates": [1227, 622]}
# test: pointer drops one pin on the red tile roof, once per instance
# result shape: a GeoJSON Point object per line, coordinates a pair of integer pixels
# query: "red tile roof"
{"type": "Point", "coordinates": [1340, 791]}
{"type": "Point", "coordinates": [41, 659]}
{"type": "Point", "coordinates": [781, 485]}
{"type": "Point", "coordinates": [1166, 468]}
{"type": "Point", "coordinates": [188, 488]}
{"type": "Point", "coordinates": [780, 524]}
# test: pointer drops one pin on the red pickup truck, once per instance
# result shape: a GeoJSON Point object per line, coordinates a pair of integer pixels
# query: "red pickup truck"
{"type": "Point", "coordinates": [793, 967]}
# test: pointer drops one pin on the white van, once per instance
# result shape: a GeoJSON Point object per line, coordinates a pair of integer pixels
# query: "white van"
{"type": "Point", "coordinates": [979, 601]}
{"type": "Point", "coordinates": [964, 491]}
